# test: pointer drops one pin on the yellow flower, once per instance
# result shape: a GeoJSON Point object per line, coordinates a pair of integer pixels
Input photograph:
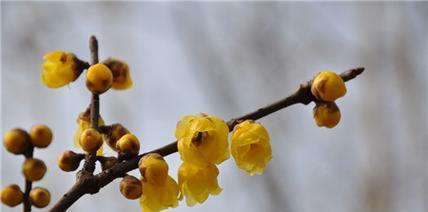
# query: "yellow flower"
{"type": "Point", "coordinates": [197, 183]}
{"type": "Point", "coordinates": [328, 86]}
{"type": "Point", "coordinates": [60, 68]}
{"type": "Point", "coordinates": [83, 123]}
{"type": "Point", "coordinates": [121, 74]}
{"type": "Point", "coordinates": [251, 147]}
{"type": "Point", "coordinates": [326, 114]}
{"type": "Point", "coordinates": [160, 191]}
{"type": "Point", "coordinates": [202, 139]}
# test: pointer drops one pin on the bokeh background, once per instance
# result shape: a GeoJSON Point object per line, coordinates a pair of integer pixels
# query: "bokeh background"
{"type": "Point", "coordinates": [226, 59]}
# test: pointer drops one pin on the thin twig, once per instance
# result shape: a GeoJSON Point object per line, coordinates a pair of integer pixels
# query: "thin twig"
{"type": "Point", "coordinates": [93, 47]}
{"type": "Point", "coordinates": [86, 174]}
{"type": "Point", "coordinates": [89, 165]}
{"type": "Point", "coordinates": [28, 184]}
{"type": "Point", "coordinates": [302, 95]}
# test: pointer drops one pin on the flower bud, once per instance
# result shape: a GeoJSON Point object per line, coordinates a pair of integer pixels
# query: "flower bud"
{"type": "Point", "coordinates": [99, 78]}
{"type": "Point", "coordinates": [40, 197]}
{"type": "Point", "coordinates": [131, 187]}
{"type": "Point", "coordinates": [33, 169]}
{"type": "Point", "coordinates": [90, 140]}
{"type": "Point", "coordinates": [69, 161]}
{"type": "Point", "coordinates": [128, 146]}
{"type": "Point", "coordinates": [107, 162]}
{"type": "Point", "coordinates": [121, 75]}
{"type": "Point", "coordinates": [16, 141]}
{"type": "Point", "coordinates": [328, 86]}
{"type": "Point", "coordinates": [41, 136]}
{"type": "Point", "coordinates": [153, 169]}
{"type": "Point", "coordinates": [326, 114]}
{"type": "Point", "coordinates": [83, 123]}
{"type": "Point", "coordinates": [60, 68]}
{"type": "Point", "coordinates": [113, 134]}
{"type": "Point", "coordinates": [12, 195]}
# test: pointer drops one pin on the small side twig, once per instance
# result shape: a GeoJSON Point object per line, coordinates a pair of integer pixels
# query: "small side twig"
{"type": "Point", "coordinates": [303, 95]}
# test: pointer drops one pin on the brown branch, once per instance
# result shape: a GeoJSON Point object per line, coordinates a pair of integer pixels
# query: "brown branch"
{"type": "Point", "coordinates": [95, 183]}
{"type": "Point", "coordinates": [93, 47]}
{"type": "Point", "coordinates": [85, 177]}
{"type": "Point", "coordinates": [28, 184]}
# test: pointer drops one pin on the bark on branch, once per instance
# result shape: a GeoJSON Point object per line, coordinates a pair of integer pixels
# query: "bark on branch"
{"type": "Point", "coordinates": [28, 184]}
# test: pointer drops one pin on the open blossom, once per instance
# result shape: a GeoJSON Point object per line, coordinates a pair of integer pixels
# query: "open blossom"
{"type": "Point", "coordinates": [83, 123]}
{"type": "Point", "coordinates": [160, 191]}
{"type": "Point", "coordinates": [159, 197]}
{"type": "Point", "coordinates": [328, 86]}
{"type": "Point", "coordinates": [202, 139]}
{"type": "Point", "coordinates": [251, 147]}
{"type": "Point", "coordinates": [59, 69]}
{"type": "Point", "coordinates": [197, 183]}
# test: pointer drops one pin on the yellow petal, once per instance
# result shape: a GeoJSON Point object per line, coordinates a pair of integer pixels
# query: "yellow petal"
{"type": "Point", "coordinates": [197, 182]}
{"type": "Point", "coordinates": [251, 147]}
{"type": "Point", "coordinates": [328, 86]}
{"type": "Point", "coordinates": [202, 139]}
{"type": "Point", "coordinates": [159, 197]}
{"type": "Point", "coordinates": [59, 69]}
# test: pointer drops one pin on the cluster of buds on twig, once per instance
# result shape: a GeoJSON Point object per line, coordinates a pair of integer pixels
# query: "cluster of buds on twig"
{"type": "Point", "coordinates": [20, 142]}
{"type": "Point", "coordinates": [327, 87]}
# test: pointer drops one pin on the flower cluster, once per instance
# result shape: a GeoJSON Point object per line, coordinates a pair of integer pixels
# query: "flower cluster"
{"type": "Point", "coordinates": [202, 140]}
{"type": "Point", "coordinates": [327, 87]}
{"type": "Point", "coordinates": [61, 68]}
{"type": "Point", "coordinates": [203, 144]}
{"type": "Point", "coordinates": [19, 141]}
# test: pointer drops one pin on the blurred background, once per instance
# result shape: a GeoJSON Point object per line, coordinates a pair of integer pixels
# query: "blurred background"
{"type": "Point", "coordinates": [227, 59]}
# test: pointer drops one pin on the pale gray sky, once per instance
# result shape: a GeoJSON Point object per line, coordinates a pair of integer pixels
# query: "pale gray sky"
{"type": "Point", "coordinates": [227, 59]}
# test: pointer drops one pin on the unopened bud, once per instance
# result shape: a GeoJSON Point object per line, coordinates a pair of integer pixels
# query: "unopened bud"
{"type": "Point", "coordinates": [128, 146]}
{"type": "Point", "coordinates": [121, 74]}
{"type": "Point", "coordinates": [131, 187]}
{"type": "Point", "coordinates": [113, 134]}
{"type": "Point", "coordinates": [99, 78]}
{"type": "Point", "coordinates": [153, 169]}
{"type": "Point", "coordinates": [34, 169]}
{"type": "Point", "coordinates": [16, 141]}
{"type": "Point", "coordinates": [40, 197]}
{"type": "Point", "coordinates": [90, 140]}
{"type": "Point", "coordinates": [328, 86]}
{"type": "Point", "coordinates": [326, 114]}
{"type": "Point", "coordinates": [12, 195]}
{"type": "Point", "coordinates": [41, 136]}
{"type": "Point", "coordinates": [69, 161]}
